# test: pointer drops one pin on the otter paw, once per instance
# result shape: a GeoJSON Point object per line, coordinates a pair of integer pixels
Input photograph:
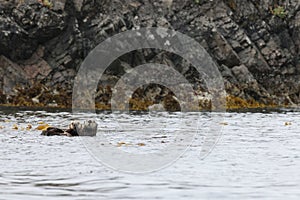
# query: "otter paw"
{"type": "Point", "coordinates": [88, 128]}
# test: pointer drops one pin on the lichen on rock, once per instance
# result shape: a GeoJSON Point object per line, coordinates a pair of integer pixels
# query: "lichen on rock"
{"type": "Point", "coordinates": [256, 48]}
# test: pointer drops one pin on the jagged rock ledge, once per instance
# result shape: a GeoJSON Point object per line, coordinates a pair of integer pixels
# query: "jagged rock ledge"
{"type": "Point", "coordinates": [255, 47]}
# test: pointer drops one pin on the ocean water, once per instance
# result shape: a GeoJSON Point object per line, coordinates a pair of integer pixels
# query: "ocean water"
{"type": "Point", "coordinates": [257, 156]}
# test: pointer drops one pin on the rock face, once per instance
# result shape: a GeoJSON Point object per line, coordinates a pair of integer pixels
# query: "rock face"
{"type": "Point", "coordinates": [256, 49]}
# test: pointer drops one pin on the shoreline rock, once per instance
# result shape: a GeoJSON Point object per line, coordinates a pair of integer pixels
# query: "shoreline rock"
{"type": "Point", "coordinates": [257, 52]}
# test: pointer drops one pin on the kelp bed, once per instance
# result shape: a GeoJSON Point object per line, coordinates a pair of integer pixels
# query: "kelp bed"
{"type": "Point", "coordinates": [41, 96]}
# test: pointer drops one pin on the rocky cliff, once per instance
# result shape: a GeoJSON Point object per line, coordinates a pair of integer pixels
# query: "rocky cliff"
{"type": "Point", "coordinates": [255, 43]}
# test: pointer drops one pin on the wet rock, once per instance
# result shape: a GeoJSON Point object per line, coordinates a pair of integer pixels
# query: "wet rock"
{"type": "Point", "coordinates": [11, 75]}
{"type": "Point", "coordinates": [242, 74]}
{"type": "Point", "coordinates": [2, 98]}
{"type": "Point", "coordinates": [6, 6]}
{"type": "Point", "coordinates": [223, 52]}
{"type": "Point", "coordinates": [14, 40]}
{"type": "Point", "coordinates": [256, 51]}
{"type": "Point", "coordinates": [228, 75]}
{"type": "Point", "coordinates": [25, 27]}
{"type": "Point", "coordinates": [38, 21]}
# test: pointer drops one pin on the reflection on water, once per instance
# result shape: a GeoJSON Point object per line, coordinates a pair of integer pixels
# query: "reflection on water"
{"type": "Point", "coordinates": [258, 156]}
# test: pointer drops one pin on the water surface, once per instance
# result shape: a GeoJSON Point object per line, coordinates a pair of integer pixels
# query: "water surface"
{"type": "Point", "coordinates": [258, 156]}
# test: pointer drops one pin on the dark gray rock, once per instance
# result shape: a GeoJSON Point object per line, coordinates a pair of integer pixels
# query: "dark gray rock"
{"type": "Point", "coordinates": [27, 26]}
{"type": "Point", "coordinates": [14, 40]}
{"type": "Point", "coordinates": [258, 53]}
{"type": "Point", "coordinates": [40, 22]}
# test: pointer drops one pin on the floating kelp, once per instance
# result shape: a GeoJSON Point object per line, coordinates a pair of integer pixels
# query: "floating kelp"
{"type": "Point", "coordinates": [239, 103]}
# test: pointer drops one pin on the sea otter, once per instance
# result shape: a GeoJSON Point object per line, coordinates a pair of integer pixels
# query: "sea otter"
{"type": "Point", "coordinates": [88, 128]}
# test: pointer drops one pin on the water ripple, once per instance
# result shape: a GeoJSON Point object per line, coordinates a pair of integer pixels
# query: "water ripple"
{"type": "Point", "coordinates": [257, 157]}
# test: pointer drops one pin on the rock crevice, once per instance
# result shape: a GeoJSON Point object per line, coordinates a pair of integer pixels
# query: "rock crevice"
{"type": "Point", "coordinates": [257, 51]}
